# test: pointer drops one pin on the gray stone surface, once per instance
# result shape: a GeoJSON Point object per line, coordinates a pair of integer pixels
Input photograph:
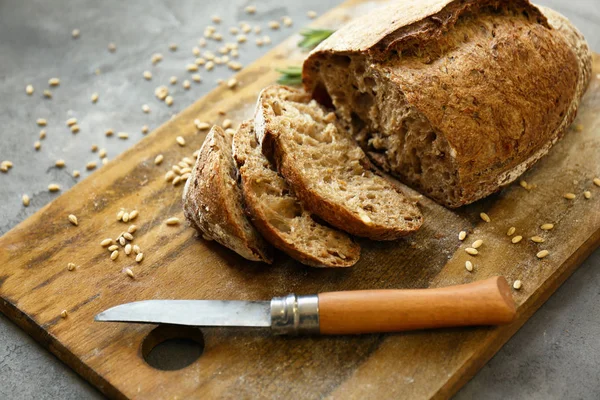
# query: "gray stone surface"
{"type": "Point", "coordinates": [555, 355]}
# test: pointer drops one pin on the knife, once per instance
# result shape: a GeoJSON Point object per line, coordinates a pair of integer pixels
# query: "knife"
{"type": "Point", "coordinates": [486, 302]}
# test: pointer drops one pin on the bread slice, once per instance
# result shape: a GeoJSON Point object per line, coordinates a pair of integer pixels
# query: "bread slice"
{"type": "Point", "coordinates": [327, 169]}
{"type": "Point", "coordinates": [213, 204]}
{"type": "Point", "coordinates": [278, 214]}
{"type": "Point", "coordinates": [456, 98]}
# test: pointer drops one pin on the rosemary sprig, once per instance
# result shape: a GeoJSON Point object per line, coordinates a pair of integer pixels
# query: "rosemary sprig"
{"type": "Point", "coordinates": [291, 76]}
{"type": "Point", "coordinates": [312, 37]}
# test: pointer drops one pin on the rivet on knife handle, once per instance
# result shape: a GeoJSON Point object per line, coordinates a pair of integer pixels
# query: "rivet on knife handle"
{"type": "Point", "coordinates": [487, 302]}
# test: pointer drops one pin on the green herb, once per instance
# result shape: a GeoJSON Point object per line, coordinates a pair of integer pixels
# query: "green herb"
{"type": "Point", "coordinates": [312, 37]}
{"type": "Point", "coordinates": [291, 76]}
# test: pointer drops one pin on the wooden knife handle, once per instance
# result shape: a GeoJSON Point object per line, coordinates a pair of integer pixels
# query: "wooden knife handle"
{"type": "Point", "coordinates": [486, 302]}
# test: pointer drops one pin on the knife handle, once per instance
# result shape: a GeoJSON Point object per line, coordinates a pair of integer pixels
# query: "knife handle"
{"type": "Point", "coordinates": [486, 302]}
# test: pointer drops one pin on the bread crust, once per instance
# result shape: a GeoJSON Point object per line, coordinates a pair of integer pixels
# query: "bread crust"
{"type": "Point", "coordinates": [333, 212]}
{"type": "Point", "coordinates": [213, 204]}
{"type": "Point", "coordinates": [498, 119]}
{"type": "Point", "coordinates": [344, 253]}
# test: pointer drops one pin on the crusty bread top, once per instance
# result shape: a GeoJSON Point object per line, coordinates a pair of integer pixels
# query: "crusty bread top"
{"type": "Point", "coordinates": [403, 19]}
{"type": "Point", "coordinates": [213, 204]}
{"type": "Point", "coordinates": [497, 97]}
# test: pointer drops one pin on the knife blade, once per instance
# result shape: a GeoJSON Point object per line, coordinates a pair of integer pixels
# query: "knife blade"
{"type": "Point", "coordinates": [192, 313]}
{"type": "Point", "coordinates": [486, 302]}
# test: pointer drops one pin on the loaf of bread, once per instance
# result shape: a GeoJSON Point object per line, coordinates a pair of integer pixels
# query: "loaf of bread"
{"type": "Point", "coordinates": [278, 214]}
{"type": "Point", "coordinates": [456, 98]}
{"type": "Point", "coordinates": [327, 170]}
{"type": "Point", "coordinates": [213, 204]}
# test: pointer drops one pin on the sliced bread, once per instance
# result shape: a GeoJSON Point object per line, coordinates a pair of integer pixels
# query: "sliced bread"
{"type": "Point", "coordinates": [213, 204]}
{"type": "Point", "coordinates": [278, 214]}
{"type": "Point", "coordinates": [328, 171]}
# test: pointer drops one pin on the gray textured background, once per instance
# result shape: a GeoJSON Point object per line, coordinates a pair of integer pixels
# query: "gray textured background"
{"type": "Point", "coordinates": [556, 355]}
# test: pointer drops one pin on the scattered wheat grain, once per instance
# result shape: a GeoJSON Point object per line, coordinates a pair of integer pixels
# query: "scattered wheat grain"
{"type": "Point", "coordinates": [471, 251]}
{"type": "Point", "coordinates": [542, 254]}
{"type": "Point", "coordinates": [517, 284]}
{"type": "Point", "coordinates": [469, 265]}
{"type": "Point", "coordinates": [172, 221]}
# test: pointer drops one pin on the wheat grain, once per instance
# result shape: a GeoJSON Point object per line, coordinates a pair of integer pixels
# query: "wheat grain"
{"type": "Point", "coordinates": [517, 284]}
{"type": "Point", "coordinates": [73, 219]}
{"type": "Point", "coordinates": [542, 254]}
{"type": "Point", "coordinates": [469, 265]}
{"type": "Point", "coordinates": [172, 221]}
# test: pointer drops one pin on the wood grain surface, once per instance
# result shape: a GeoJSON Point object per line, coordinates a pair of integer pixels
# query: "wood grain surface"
{"type": "Point", "coordinates": [35, 285]}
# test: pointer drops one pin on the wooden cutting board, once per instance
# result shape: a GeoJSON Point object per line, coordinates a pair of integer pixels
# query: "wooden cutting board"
{"type": "Point", "coordinates": [36, 286]}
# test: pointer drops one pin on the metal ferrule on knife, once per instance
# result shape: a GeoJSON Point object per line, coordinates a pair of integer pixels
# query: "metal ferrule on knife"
{"type": "Point", "coordinates": [294, 314]}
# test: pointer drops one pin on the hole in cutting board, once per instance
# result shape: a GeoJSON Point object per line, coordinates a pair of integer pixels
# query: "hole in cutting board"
{"type": "Point", "coordinates": [172, 347]}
